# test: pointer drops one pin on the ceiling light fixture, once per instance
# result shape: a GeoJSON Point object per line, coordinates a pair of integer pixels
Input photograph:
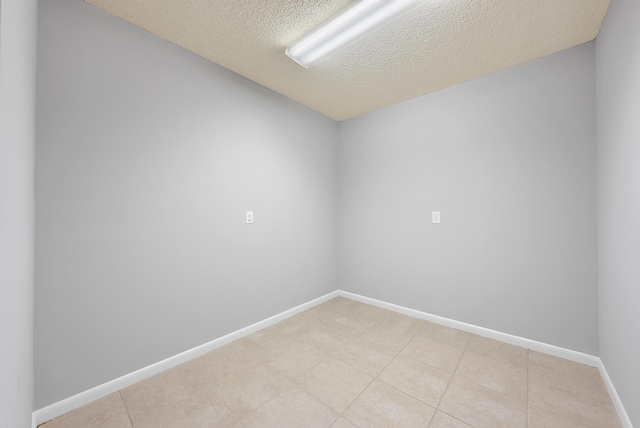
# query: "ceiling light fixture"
{"type": "Point", "coordinates": [352, 24]}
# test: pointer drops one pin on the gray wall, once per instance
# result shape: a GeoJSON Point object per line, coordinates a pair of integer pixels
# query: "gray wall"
{"type": "Point", "coordinates": [618, 83]}
{"type": "Point", "coordinates": [147, 159]}
{"type": "Point", "coordinates": [18, 26]}
{"type": "Point", "coordinates": [509, 160]}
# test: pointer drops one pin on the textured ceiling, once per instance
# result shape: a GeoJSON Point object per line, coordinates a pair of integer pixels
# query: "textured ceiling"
{"type": "Point", "coordinates": [439, 44]}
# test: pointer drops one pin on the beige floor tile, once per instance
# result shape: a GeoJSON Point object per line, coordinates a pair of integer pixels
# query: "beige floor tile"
{"type": "Point", "coordinates": [448, 335]}
{"type": "Point", "coordinates": [394, 333]}
{"type": "Point", "coordinates": [245, 390]}
{"type": "Point", "coordinates": [384, 406]}
{"type": "Point", "coordinates": [329, 340]}
{"type": "Point", "coordinates": [350, 324]}
{"type": "Point", "coordinates": [437, 354]}
{"type": "Point", "coordinates": [240, 350]}
{"type": "Point", "coordinates": [343, 423]}
{"type": "Point", "coordinates": [309, 368]}
{"type": "Point", "coordinates": [505, 352]}
{"type": "Point", "coordinates": [108, 412]}
{"type": "Point", "coordinates": [296, 325]}
{"type": "Point", "coordinates": [334, 307]}
{"type": "Point", "coordinates": [420, 380]}
{"type": "Point", "coordinates": [539, 418]}
{"type": "Point", "coordinates": [175, 398]}
{"type": "Point", "coordinates": [335, 383]}
{"type": "Point", "coordinates": [373, 313]}
{"type": "Point", "coordinates": [264, 341]}
{"type": "Point", "coordinates": [580, 405]}
{"type": "Point", "coordinates": [295, 360]}
{"type": "Point", "coordinates": [291, 408]}
{"type": "Point", "coordinates": [214, 366]}
{"type": "Point", "coordinates": [480, 406]}
{"type": "Point", "coordinates": [568, 371]}
{"type": "Point", "coordinates": [342, 304]}
{"type": "Point", "coordinates": [388, 338]}
{"type": "Point", "coordinates": [320, 313]}
{"type": "Point", "coordinates": [402, 323]}
{"type": "Point", "coordinates": [366, 356]}
{"type": "Point", "coordinates": [442, 420]}
{"type": "Point", "coordinates": [498, 375]}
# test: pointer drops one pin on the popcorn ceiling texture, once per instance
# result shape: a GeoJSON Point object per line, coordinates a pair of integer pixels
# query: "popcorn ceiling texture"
{"type": "Point", "coordinates": [442, 43]}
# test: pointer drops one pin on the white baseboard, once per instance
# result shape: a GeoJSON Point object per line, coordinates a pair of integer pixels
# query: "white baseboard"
{"type": "Point", "coordinates": [546, 348]}
{"type": "Point", "coordinates": [556, 351]}
{"type": "Point", "coordinates": [68, 404]}
{"type": "Point", "coordinates": [57, 409]}
{"type": "Point", "coordinates": [622, 413]}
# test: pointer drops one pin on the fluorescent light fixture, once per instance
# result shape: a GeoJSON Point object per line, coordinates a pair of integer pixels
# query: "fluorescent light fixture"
{"type": "Point", "coordinates": [352, 24]}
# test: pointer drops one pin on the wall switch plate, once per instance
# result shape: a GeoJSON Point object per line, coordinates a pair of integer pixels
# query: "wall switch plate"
{"type": "Point", "coordinates": [435, 217]}
{"type": "Point", "coordinates": [249, 217]}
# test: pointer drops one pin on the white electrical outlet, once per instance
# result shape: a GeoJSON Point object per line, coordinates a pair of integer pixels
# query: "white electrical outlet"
{"type": "Point", "coordinates": [249, 217]}
{"type": "Point", "coordinates": [435, 217]}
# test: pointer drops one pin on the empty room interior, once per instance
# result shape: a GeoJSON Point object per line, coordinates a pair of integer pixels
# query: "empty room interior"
{"type": "Point", "coordinates": [436, 224]}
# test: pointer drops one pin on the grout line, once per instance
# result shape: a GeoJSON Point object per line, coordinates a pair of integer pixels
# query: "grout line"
{"type": "Point", "coordinates": [428, 364]}
{"type": "Point", "coordinates": [398, 353]}
{"type": "Point", "coordinates": [464, 351]}
{"type": "Point", "coordinates": [379, 373]}
{"type": "Point", "coordinates": [457, 419]}
{"type": "Point", "coordinates": [215, 393]}
{"type": "Point", "coordinates": [368, 384]}
{"type": "Point", "coordinates": [324, 323]}
{"type": "Point", "coordinates": [125, 408]}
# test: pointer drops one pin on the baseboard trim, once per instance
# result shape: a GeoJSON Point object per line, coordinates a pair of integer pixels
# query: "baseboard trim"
{"type": "Point", "coordinates": [568, 354]}
{"type": "Point", "coordinates": [557, 351]}
{"type": "Point", "coordinates": [68, 404]}
{"type": "Point", "coordinates": [64, 406]}
{"type": "Point", "coordinates": [622, 412]}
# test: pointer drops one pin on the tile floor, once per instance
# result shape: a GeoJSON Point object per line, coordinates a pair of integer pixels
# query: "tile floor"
{"type": "Point", "coordinates": [344, 364]}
